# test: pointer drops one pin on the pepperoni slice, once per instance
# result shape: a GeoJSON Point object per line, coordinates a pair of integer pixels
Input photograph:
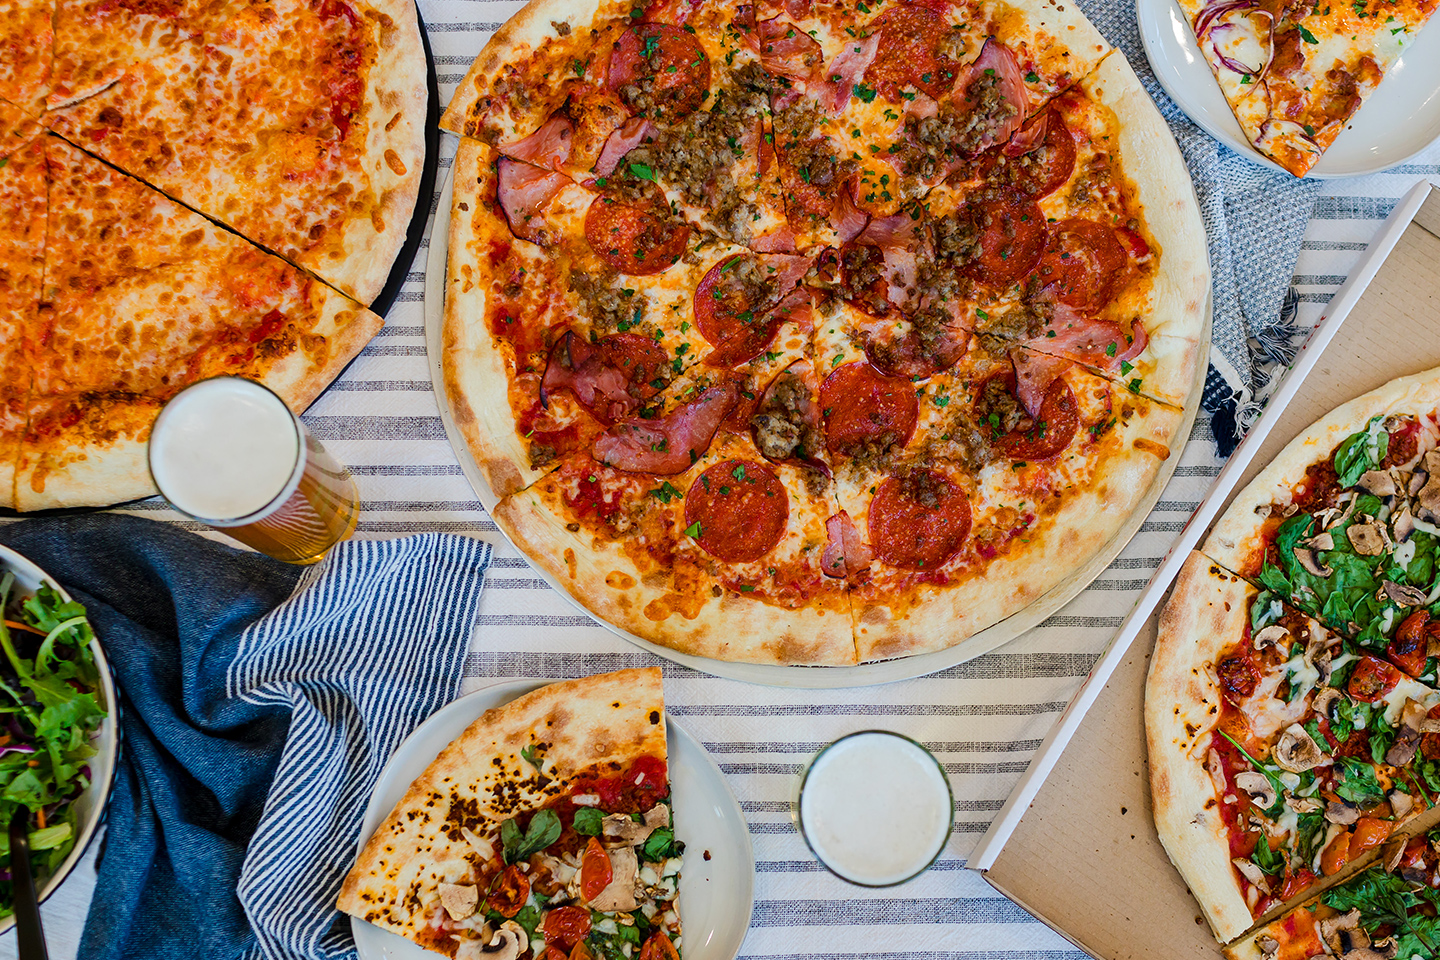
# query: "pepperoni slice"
{"type": "Point", "coordinates": [1012, 236]}
{"type": "Point", "coordinates": [634, 239]}
{"type": "Point", "coordinates": [1081, 262]}
{"type": "Point", "coordinates": [660, 71]}
{"type": "Point", "coordinates": [862, 406]}
{"type": "Point", "coordinates": [909, 53]}
{"type": "Point", "coordinates": [919, 521]}
{"type": "Point", "coordinates": [1046, 435]}
{"type": "Point", "coordinates": [1045, 167]}
{"type": "Point", "coordinates": [732, 310]}
{"type": "Point", "coordinates": [737, 510]}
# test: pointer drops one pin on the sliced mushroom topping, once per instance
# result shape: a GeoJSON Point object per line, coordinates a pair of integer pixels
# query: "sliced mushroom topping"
{"type": "Point", "coordinates": [1349, 501]}
{"type": "Point", "coordinates": [1343, 933]}
{"type": "Point", "coordinates": [1404, 594]}
{"type": "Point", "coordinates": [1341, 812]}
{"type": "Point", "coordinates": [657, 816]}
{"type": "Point", "coordinates": [620, 894]}
{"type": "Point", "coordinates": [1268, 945]}
{"type": "Point", "coordinates": [1321, 541]}
{"type": "Point", "coordinates": [1325, 701]}
{"type": "Point", "coordinates": [1252, 873]}
{"type": "Point", "coordinates": [1378, 482]}
{"type": "Point", "coordinates": [1306, 804]}
{"type": "Point", "coordinates": [1430, 725]}
{"type": "Point", "coordinates": [1261, 790]}
{"type": "Point", "coordinates": [1263, 511]}
{"type": "Point", "coordinates": [1402, 525]}
{"type": "Point", "coordinates": [1296, 752]}
{"type": "Point", "coordinates": [459, 899]}
{"type": "Point", "coordinates": [1401, 803]}
{"type": "Point", "coordinates": [1270, 635]}
{"type": "Point", "coordinates": [509, 943]}
{"type": "Point", "coordinates": [1380, 950]}
{"type": "Point", "coordinates": [620, 825]}
{"type": "Point", "coordinates": [1366, 539]}
{"type": "Point", "coordinates": [1429, 495]}
{"type": "Point", "coordinates": [1417, 481]}
{"type": "Point", "coordinates": [1216, 769]}
{"type": "Point", "coordinates": [1402, 751]}
{"type": "Point", "coordinates": [1309, 562]}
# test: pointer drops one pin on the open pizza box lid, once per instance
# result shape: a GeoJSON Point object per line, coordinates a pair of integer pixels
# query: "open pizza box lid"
{"type": "Point", "coordinates": [1075, 844]}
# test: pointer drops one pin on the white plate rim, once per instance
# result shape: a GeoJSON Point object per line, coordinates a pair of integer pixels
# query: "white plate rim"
{"type": "Point", "coordinates": [795, 676]}
{"type": "Point", "coordinates": [370, 940]}
{"type": "Point", "coordinates": [28, 576]}
{"type": "Point", "coordinates": [1152, 17]}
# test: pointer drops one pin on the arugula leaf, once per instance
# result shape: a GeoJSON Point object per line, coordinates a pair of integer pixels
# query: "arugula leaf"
{"type": "Point", "coordinates": [1361, 451]}
{"type": "Point", "coordinates": [544, 830]}
{"type": "Point", "coordinates": [1271, 861]}
{"type": "Point", "coordinates": [1310, 830]}
{"type": "Point", "coordinates": [529, 918]}
{"type": "Point", "coordinates": [527, 753]}
{"type": "Point", "coordinates": [589, 821]}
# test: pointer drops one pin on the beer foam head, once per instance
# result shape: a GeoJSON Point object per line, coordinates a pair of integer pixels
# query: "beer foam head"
{"type": "Point", "coordinates": [224, 448]}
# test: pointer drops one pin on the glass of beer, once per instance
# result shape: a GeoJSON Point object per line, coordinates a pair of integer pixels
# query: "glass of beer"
{"type": "Point", "coordinates": [875, 808]}
{"type": "Point", "coordinates": [229, 453]}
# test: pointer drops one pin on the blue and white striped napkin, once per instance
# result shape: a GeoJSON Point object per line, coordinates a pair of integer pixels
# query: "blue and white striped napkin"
{"type": "Point", "coordinates": [372, 642]}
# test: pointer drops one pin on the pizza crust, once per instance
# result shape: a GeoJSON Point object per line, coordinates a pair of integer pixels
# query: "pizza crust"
{"type": "Point", "coordinates": [600, 577]}
{"type": "Point", "coordinates": [342, 329]}
{"type": "Point", "coordinates": [1205, 614]}
{"type": "Point", "coordinates": [393, 156]}
{"type": "Point", "coordinates": [609, 719]}
{"type": "Point", "coordinates": [1235, 541]}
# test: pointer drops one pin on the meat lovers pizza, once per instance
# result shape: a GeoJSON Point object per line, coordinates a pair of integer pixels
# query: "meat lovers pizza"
{"type": "Point", "coordinates": [1293, 705]}
{"type": "Point", "coordinates": [1294, 73]}
{"type": "Point", "coordinates": [818, 333]}
{"type": "Point", "coordinates": [543, 831]}
{"type": "Point", "coordinates": [189, 189]}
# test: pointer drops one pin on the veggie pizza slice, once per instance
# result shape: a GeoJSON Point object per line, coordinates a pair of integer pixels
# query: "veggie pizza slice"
{"type": "Point", "coordinates": [544, 830]}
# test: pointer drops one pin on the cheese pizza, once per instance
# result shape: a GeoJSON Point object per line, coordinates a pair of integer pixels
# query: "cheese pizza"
{"type": "Point", "coordinates": [1293, 703]}
{"type": "Point", "coordinates": [816, 333]}
{"type": "Point", "coordinates": [190, 189]}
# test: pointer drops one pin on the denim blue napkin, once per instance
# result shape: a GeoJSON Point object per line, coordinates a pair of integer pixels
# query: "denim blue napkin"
{"type": "Point", "coordinates": [259, 703]}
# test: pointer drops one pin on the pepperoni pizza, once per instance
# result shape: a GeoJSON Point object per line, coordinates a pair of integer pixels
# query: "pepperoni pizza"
{"type": "Point", "coordinates": [189, 188]}
{"type": "Point", "coordinates": [815, 333]}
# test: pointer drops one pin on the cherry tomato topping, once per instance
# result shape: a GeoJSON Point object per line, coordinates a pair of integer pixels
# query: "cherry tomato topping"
{"type": "Point", "coordinates": [510, 891]}
{"type": "Point", "coordinates": [1333, 860]}
{"type": "Point", "coordinates": [1295, 882]}
{"type": "Point", "coordinates": [659, 947]}
{"type": "Point", "coordinates": [595, 870]}
{"type": "Point", "coordinates": [567, 926]}
{"type": "Point", "coordinates": [1372, 679]}
{"type": "Point", "coordinates": [1369, 832]}
{"type": "Point", "coordinates": [1407, 650]}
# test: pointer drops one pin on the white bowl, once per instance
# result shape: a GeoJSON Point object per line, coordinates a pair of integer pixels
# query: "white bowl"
{"type": "Point", "coordinates": [90, 805]}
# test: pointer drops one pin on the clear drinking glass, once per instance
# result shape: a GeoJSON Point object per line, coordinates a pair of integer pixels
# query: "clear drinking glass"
{"type": "Point", "coordinates": [875, 807]}
{"type": "Point", "coordinates": [229, 453]}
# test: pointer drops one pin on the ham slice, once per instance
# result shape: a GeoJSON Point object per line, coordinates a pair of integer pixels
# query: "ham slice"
{"type": "Point", "coordinates": [777, 241]}
{"type": "Point", "coordinates": [577, 366]}
{"type": "Point", "coordinates": [784, 48]}
{"type": "Point", "coordinates": [1098, 343]}
{"type": "Point", "coordinates": [547, 147]}
{"type": "Point", "coordinates": [1031, 135]}
{"type": "Point", "coordinates": [846, 552]}
{"type": "Point", "coordinates": [670, 444]}
{"type": "Point", "coordinates": [1034, 372]}
{"type": "Point", "coordinates": [626, 138]}
{"type": "Point", "coordinates": [847, 219]}
{"type": "Point", "coordinates": [895, 237]}
{"type": "Point", "coordinates": [847, 69]}
{"type": "Point", "coordinates": [523, 189]}
{"type": "Point", "coordinates": [995, 86]}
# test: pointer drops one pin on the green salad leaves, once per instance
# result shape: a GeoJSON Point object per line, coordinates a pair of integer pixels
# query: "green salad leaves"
{"type": "Point", "coordinates": [49, 713]}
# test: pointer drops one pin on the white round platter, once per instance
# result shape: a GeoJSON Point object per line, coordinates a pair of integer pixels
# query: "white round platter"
{"type": "Point", "coordinates": [1399, 120]}
{"type": "Point", "coordinates": [90, 805]}
{"type": "Point", "coordinates": [883, 671]}
{"type": "Point", "coordinates": [717, 882]}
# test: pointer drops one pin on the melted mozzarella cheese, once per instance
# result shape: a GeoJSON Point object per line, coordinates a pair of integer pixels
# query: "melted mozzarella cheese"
{"type": "Point", "coordinates": [1407, 689]}
{"type": "Point", "coordinates": [1267, 714]}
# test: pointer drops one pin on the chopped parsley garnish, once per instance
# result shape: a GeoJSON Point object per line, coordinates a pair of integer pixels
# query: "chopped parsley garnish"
{"type": "Point", "coordinates": [693, 531]}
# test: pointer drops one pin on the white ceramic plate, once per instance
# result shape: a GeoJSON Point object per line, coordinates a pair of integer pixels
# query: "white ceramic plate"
{"type": "Point", "coordinates": [884, 671]}
{"type": "Point", "coordinates": [1399, 120]}
{"type": "Point", "coordinates": [90, 805]}
{"type": "Point", "coordinates": [717, 894]}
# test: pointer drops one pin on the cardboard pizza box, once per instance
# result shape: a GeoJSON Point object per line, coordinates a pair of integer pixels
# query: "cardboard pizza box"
{"type": "Point", "coordinates": [1075, 844]}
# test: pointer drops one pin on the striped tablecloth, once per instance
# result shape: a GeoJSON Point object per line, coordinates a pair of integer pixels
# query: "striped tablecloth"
{"type": "Point", "coordinates": [983, 719]}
